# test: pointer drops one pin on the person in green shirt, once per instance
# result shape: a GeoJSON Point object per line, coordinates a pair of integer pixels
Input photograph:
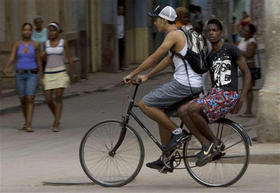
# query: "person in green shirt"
{"type": "Point", "coordinates": [40, 33]}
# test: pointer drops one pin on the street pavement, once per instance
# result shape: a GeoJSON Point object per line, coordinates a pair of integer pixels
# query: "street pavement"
{"type": "Point", "coordinates": [44, 161]}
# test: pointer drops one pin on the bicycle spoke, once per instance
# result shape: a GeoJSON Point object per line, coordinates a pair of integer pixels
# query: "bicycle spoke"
{"type": "Point", "coordinates": [111, 170]}
{"type": "Point", "coordinates": [228, 166]}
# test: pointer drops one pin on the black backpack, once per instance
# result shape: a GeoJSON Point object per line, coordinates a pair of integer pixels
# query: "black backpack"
{"type": "Point", "coordinates": [197, 51]}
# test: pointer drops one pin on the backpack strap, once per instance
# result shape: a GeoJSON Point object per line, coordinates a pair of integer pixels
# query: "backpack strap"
{"type": "Point", "coordinates": [186, 67]}
{"type": "Point", "coordinates": [173, 53]}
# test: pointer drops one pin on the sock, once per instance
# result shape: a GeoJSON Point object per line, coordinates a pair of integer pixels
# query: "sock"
{"type": "Point", "coordinates": [177, 131]}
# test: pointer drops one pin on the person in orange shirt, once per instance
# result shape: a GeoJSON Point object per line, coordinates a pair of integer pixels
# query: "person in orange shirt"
{"type": "Point", "coordinates": [182, 17]}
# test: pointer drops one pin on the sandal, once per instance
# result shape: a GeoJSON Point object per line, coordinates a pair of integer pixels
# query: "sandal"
{"type": "Point", "coordinates": [29, 129]}
{"type": "Point", "coordinates": [55, 127]}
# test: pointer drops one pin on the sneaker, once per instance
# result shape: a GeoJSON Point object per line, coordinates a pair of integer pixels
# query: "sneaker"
{"type": "Point", "coordinates": [220, 147]}
{"type": "Point", "coordinates": [158, 164]}
{"type": "Point", "coordinates": [176, 139]}
{"type": "Point", "coordinates": [206, 154]}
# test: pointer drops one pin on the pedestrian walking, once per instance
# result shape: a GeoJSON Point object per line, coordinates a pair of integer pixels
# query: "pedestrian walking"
{"type": "Point", "coordinates": [234, 28]}
{"type": "Point", "coordinates": [28, 67]}
{"type": "Point", "coordinates": [40, 33]}
{"type": "Point", "coordinates": [248, 47]}
{"type": "Point", "coordinates": [56, 78]}
{"type": "Point", "coordinates": [245, 20]}
{"type": "Point", "coordinates": [121, 35]}
{"type": "Point", "coordinates": [183, 17]}
{"type": "Point", "coordinates": [197, 20]}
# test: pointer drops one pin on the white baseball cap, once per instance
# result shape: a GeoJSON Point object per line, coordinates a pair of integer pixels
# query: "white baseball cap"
{"type": "Point", "coordinates": [165, 12]}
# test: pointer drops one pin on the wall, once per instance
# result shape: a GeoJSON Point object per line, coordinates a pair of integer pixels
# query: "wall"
{"type": "Point", "coordinates": [13, 13]}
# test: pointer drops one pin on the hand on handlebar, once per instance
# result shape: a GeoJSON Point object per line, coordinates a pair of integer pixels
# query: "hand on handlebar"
{"type": "Point", "coordinates": [127, 79]}
{"type": "Point", "coordinates": [141, 78]}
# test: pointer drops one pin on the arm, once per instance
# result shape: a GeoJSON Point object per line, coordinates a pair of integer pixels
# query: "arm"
{"type": "Point", "coordinates": [167, 44]}
{"type": "Point", "coordinates": [161, 66]}
{"type": "Point", "coordinates": [11, 58]}
{"type": "Point", "coordinates": [70, 60]}
{"type": "Point", "coordinates": [43, 54]}
{"type": "Point", "coordinates": [250, 51]}
{"type": "Point", "coordinates": [212, 78]}
{"type": "Point", "coordinates": [246, 82]}
{"type": "Point", "coordinates": [39, 59]}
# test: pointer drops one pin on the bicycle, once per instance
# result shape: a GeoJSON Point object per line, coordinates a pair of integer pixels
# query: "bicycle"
{"type": "Point", "coordinates": [112, 152]}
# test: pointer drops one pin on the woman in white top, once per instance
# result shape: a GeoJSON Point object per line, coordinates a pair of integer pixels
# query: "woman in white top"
{"type": "Point", "coordinates": [55, 74]}
{"type": "Point", "coordinates": [247, 47]}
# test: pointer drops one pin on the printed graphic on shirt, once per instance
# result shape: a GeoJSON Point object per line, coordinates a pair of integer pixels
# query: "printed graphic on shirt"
{"type": "Point", "coordinates": [222, 71]}
{"type": "Point", "coordinates": [224, 67]}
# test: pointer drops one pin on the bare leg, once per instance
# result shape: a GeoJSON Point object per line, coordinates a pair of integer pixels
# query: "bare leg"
{"type": "Point", "coordinates": [158, 115]}
{"type": "Point", "coordinates": [250, 98]}
{"type": "Point", "coordinates": [165, 134]}
{"type": "Point", "coordinates": [23, 108]}
{"type": "Point", "coordinates": [185, 117]}
{"type": "Point", "coordinates": [194, 110]}
{"type": "Point", "coordinates": [29, 110]}
{"type": "Point", "coordinates": [58, 106]}
{"type": "Point", "coordinates": [49, 101]}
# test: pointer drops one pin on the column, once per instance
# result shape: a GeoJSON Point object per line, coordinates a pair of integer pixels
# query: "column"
{"type": "Point", "coordinates": [95, 35]}
{"type": "Point", "coordinates": [137, 37]}
{"type": "Point", "coordinates": [109, 36]}
{"type": "Point", "coordinates": [268, 113]}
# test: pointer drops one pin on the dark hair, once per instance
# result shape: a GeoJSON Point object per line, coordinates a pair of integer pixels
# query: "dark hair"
{"type": "Point", "coordinates": [217, 22]}
{"type": "Point", "coordinates": [60, 29]}
{"type": "Point", "coordinates": [25, 24]}
{"type": "Point", "coordinates": [252, 28]}
{"type": "Point", "coordinates": [194, 8]}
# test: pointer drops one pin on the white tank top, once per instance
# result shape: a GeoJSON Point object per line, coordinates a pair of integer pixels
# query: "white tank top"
{"type": "Point", "coordinates": [55, 56]}
{"type": "Point", "coordinates": [243, 44]}
{"type": "Point", "coordinates": [195, 80]}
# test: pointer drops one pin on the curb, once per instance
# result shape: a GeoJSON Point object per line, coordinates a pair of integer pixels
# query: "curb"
{"type": "Point", "coordinates": [267, 159]}
{"type": "Point", "coordinates": [71, 95]}
{"type": "Point", "coordinates": [67, 96]}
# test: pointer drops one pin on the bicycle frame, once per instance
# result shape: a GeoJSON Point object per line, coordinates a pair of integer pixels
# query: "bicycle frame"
{"type": "Point", "coordinates": [134, 116]}
{"type": "Point", "coordinates": [126, 120]}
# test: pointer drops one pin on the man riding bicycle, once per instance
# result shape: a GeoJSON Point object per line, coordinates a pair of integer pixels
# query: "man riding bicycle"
{"type": "Point", "coordinates": [154, 103]}
{"type": "Point", "coordinates": [223, 61]}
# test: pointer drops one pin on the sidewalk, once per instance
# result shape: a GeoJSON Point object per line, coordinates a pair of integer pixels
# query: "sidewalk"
{"type": "Point", "coordinates": [95, 82]}
{"type": "Point", "coordinates": [261, 153]}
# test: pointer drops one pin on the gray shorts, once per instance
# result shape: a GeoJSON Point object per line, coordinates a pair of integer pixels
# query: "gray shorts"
{"type": "Point", "coordinates": [169, 94]}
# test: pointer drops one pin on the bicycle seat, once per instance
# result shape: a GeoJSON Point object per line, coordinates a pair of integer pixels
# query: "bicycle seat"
{"type": "Point", "coordinates": [172, 110]}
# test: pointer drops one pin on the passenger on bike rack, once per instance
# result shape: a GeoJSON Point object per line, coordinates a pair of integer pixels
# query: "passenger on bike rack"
{"type": "Point", "coordinates": [154, 103]}
{"type": "Point", "coordinates": [222, 98]}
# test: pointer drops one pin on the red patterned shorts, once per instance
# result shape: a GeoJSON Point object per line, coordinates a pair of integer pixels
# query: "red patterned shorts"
{"type": "Point", "coordinates": [217, 103]}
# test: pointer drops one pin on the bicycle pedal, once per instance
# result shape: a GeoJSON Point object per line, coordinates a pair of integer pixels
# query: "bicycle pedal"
{"type": "Point", "coordinates": [165, 170]}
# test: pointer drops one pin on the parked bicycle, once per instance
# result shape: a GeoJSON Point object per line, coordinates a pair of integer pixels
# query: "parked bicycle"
{"type": "Point", "coordinates": [112, 152]}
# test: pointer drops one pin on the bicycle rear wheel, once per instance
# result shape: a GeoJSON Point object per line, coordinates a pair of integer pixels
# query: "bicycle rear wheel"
{"type": "Point", "coordinates": [104, 168]}
{"type": "Point", "coordinates": [226, 168]}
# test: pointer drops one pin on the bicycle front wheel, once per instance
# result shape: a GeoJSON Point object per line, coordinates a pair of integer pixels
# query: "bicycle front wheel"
{"type": "Point", "coordinates": [226, 168]}
{"type": "Point", "coordinates": [104, 167]}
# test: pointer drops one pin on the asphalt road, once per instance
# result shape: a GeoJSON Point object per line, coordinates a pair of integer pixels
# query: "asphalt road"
{"type": "Point", "coordinates": [44, 161]}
